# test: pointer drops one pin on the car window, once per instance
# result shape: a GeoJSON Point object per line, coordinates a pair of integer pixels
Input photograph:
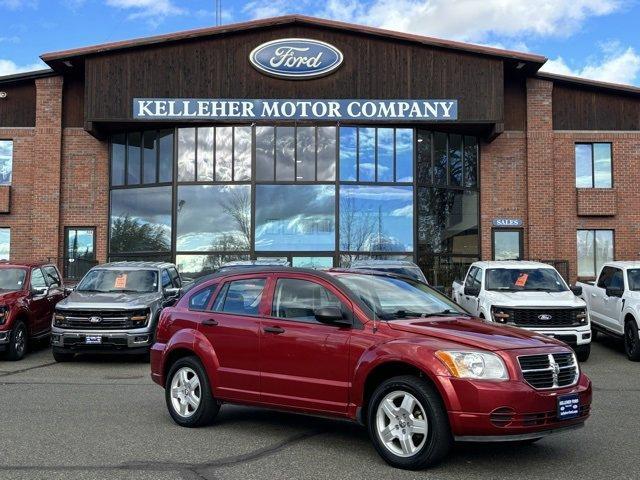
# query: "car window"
{"type": "Point", "coordinates": [617, 279]}
{"type": "Point", "coordinates": [175, 277]}
{"type": "Point", "coordinates": [240, 297]}
{"type": "Point", "coordinates": [299, 299]}
{"type": "Point", "coordinates": [37, 279]}
{"type": "Point", "coordinates": [473, 278]}
{"type": "Point", "coordinates": [200, 299]}
{"type": "Point", "coordinates": [605, 277]}
{"type": "Point", "coordinates": [166, 279]}
{"type": "Point", "coordinates": [51, 276]}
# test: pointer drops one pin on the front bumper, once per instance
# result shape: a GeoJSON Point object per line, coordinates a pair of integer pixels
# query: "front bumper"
{"type": "Point", "coordinates": [5, 338]}
{"type": "Point", "coordinates": [572, 336]}
{"type": "Point", "coordinates": [75, 340]}
{"type": "Point", "coordinates": [510, 410]}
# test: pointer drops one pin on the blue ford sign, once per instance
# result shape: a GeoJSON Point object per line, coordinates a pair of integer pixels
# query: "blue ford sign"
{"type": "Point", "coordinates": [296, 58]}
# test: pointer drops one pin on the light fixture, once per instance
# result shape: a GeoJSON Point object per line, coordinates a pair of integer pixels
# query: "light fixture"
{"type": "Point", "coordinates": [520, 65]}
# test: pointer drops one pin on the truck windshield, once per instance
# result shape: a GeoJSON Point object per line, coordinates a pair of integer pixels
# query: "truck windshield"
{"type": "Point", "coordinates": [114, 281]}
{"type": "Point", "coordinates": [11, 279]}
{"type": "Point", "coordinates": [633, 275]}
{"type": "Point", "coordinates": [528, 280]}
{"type": "Point", "coordinates": [394, 298]}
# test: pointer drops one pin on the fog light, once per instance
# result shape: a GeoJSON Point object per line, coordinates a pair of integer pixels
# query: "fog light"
{"type": "Point", "coordinates": [141, 339]}
{"type": "Point", "coordinates": [4, 336]}
{"type": "Point", "coordinates": [586, 336]}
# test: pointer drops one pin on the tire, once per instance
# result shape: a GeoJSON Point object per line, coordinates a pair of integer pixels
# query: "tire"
{"type": "Point", "coordinates": [61, 357]}
{"type": "Point", "coordinates": [18, 342]}
{"type": "Point", "coordinates": [182, 408]}
{"type": "Point", "coordinates": [583, 352]}
{"type": "Point", "coordinates": [428, 411]}
{"type": "Point", "coordinates": [594, 334]}
{"type": "Point", "coordinates": [631, 341]}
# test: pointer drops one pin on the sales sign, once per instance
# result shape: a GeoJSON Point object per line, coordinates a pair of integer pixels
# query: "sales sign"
{"type": "Point", "coordinates": [507, 222]}
{"type": "Point", "coordinates": [287, 109]}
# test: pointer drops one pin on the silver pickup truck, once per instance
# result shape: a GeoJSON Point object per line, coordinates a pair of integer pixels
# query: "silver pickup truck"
{"type": "Point", "coordinates": [115, 307]}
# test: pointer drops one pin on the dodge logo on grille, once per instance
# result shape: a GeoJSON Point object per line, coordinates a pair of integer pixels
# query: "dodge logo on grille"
{"type": "Point", "coordinates": [95, 320]}
{"type": "Point", "coordinates": [545, 316]}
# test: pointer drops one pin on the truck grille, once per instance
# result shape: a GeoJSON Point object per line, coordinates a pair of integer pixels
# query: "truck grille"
{"type": "Point", "coordinates": [546, 371]}
{"type": "Point", "coordinates": [550, 317]}
{"type": "Point", "coordinates": [100, 320]}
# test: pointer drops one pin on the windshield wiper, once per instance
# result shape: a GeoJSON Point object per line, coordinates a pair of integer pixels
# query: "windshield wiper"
{"type": "Point", "coordinates": [123, 290]}
{"type": "Point", "coordinates": [410, 314]}
{"type": "Point", "coordinates": [444, 313]}
{"type": "Point", "coordinates": [89, 290]}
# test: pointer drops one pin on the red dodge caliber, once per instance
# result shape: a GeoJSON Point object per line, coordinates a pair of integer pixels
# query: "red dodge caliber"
{"type": "Point", "coordinates": [386, 351]}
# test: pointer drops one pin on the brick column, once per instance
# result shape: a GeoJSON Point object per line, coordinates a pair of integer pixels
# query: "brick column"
{"type": "Point", "coordinates": [45, 218]}
{"type": "Point", "coordinates": [540, 171]}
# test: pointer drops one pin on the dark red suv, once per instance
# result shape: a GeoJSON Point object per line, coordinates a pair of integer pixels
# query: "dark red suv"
{"type": "Point", "coordinates": [386, 351]}
{"type": "Point", "coordinates": [28, 294]}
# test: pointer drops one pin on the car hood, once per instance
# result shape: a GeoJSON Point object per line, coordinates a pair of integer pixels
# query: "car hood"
{"type": "Point", "coordinates": [474, 332]}
{"type": "Point", "coordinates": [535, 299]}
{"type": "Point", "coordinates": [94, 300]}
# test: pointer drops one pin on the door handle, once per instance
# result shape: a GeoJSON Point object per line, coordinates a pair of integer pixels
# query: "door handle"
{"type": "Point", "coordinates": [210, 322]}
{"type": "Point", "coordinates": [276, 330]}
{"type": "Point", "coordinates": [593, 295]}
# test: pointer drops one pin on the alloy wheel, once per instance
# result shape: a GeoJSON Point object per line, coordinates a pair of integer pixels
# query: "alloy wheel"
{"type": "Point", "coordinates": [186, 393]}
{"type": "Point", "coordinates": [401, 423]}
{"type": "Point", "coordinates": [630, 339]}
{"type": "Point", "coordinates": [20, 341]}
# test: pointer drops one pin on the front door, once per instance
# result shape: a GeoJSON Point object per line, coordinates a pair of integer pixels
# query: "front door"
{"type": "Point", "coordinates": [39, 302]}
{"type": "Point", "coordinates": [612, 306]}
{"type": "Point", "coordinates": [304, 362]}
{"type": "Point", "coordinates": [232, 325]}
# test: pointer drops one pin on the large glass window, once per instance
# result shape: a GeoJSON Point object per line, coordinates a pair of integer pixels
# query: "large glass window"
{"type": "Point", "coordinates": [376, 218]}
{"type": "Point", "coordinates": [118, 159]}
{"type": "Point", "coordinates": [134, 140]}
{"type": "Point", "coordinates": [6, 161]}
{"type": "Point", "coordinates": [213, 218]}
{"type": "Point", "coordinates": [140, 220]}
{"type": "Point", "coordinates": [447, 160]}
{"type": "Point", "coordinates": [594, 247]}
{"type": "Point", "coordinates": [295, 218]}
{"type": "Point", "coordinates": [142, 158]}
{"type": "Point", "coordinates": [196, 265]}
{"type": "Point", "coordinates": [5, 243]}
{"type": "Point", "coordinates": [593, 165]}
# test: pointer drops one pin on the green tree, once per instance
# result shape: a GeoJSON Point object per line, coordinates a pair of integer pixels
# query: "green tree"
{"type": "Point", "coordinates": [130, 235]}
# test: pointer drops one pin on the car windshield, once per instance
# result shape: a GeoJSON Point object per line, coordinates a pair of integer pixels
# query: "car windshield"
{"type": "Point", "coordinates": [528, 279]}
{"type": "Point", "coordinates": [633, 275]}
{"type": "Point", "coordinates": [110, 281]}
{"type": "Point", "coordinates": [11, 279]}
{"type": "Point", "coordinates": [395, 298]}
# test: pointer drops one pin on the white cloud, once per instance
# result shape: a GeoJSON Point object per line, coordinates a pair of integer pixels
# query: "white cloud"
{"type": "Point", "coordinates": [12, 39]}
{"type": "Point", "coordinates": [17, 4]}
{"type": "Point", "coordinates": [8, 67]}
{"type": "Point", "coordinates": [153, 11]}
{"type": "Point", "coordinates": [615, 64]}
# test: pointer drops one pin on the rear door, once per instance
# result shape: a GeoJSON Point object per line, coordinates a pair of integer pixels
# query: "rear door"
{"type": "Point", "coordinates": [232, 325]}
{"type": "Point", "coordinates": [304, 363]}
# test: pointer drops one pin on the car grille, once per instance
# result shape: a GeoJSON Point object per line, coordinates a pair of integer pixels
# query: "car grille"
{"type": "Point", "coordinates": [546, 371]}
{"type": "Point", "coordinates": [551, 317]}
{"type": "Point", "coordinates": [507, 417]}
{"type": "Point", "coordinates": [108, 320]}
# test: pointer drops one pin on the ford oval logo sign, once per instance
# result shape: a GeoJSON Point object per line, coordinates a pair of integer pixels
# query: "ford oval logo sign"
{"type": "Point", "coordinates": [296, 58]}
{"type": "Point", "coordinates": [545, 316]}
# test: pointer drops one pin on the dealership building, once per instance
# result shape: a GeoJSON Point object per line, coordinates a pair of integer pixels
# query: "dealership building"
{"type": "Point", "coordinates": [319, 142]}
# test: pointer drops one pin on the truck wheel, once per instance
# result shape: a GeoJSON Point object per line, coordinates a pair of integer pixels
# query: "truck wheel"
{"type": "Point", "coordinates": [631, 341]}
{"type": "Point", "coordinates": [61, 357]}
{"type": "Point", "coordinates": [583, 352]}
{"type": "Point", "coordinates": [408, 423]}
{"type": "Point", "coordinates": [188, 394]}
{"type": "Point", "coordinates": [594, 334]}
{"type": "Point", "coordinates": [18, 341]}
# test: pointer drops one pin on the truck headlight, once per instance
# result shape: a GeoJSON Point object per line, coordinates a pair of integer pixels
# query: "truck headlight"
{"type": "Point", "coordinates": [58, 319]}
{"type": "Point", "coordinates": [140, 318]}
{"type": "Point", "coordinates": [475, 365]}
{"type": "Point", "coordinates": [501, 315]}
{"type": "Point", "coordinates": [582, 317]}
{"type": "Point", "coordinates": [4, 314]}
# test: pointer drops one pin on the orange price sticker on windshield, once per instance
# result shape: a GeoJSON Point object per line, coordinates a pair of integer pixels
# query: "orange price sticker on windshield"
{"type": "Point", "coordinates": [522, 280]}
{"type": "Point", "coordinates": [121, 281]}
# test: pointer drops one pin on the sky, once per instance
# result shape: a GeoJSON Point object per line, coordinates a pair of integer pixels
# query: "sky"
{"type": "Point", "coordinates": [596, 39]}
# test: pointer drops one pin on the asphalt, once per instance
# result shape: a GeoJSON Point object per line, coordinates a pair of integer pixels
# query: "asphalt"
{"type": "Point", "coordinates": [103, 418]}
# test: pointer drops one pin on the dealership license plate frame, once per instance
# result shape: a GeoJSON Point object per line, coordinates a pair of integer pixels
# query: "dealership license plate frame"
{"type": "Point", "coordinates": [568, 406]}
{"type": "Point", "coordinates": [93, 340]}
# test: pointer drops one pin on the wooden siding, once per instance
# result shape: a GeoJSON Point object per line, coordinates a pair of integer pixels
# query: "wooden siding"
{"type": "Point", "coordinates": [219, 68]}
{"type": "Point", "coordinates": [580, 108]}
{"type": "Point", "coordinates": [515, 103]}
{"type": "Point", "coordinates": [73, 102]}
{"type": "Point", "coordinates": [18, 109]}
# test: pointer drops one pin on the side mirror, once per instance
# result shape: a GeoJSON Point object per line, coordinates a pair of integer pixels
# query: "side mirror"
{"type": "Point", "coordinates": [472, 291]}
{"type": "Point", "coordinates": [576, 289]}
{"type": "Point", "coordinates": [614, 292]}
{"type": "Point", "coordinates": [36, 292]}
{"type": "Point", "coordinates": [331, 315]}
{"type": "Point", "coordinates": [171, 292]}
{"type": "Point", "coordinates": [68, 290]}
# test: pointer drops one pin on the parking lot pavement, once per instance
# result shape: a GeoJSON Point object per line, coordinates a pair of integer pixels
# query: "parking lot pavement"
{"type": "Point", "coordinates": [102, 417]}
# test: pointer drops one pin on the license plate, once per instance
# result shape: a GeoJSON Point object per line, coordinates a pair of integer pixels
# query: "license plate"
{"type": "Point", "coordinates": [93, 339]}
{"type": "Point", "coordinates": [568, 406]}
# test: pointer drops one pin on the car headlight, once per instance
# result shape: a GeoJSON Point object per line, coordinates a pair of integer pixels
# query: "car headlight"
{"type": "Point", "coordinates": [501, 315]}
{"type": "Point", "coordinates": [475, 365]}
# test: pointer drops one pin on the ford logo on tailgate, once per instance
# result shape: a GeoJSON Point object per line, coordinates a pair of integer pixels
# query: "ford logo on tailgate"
{"type": "Point", "coordinates": [296, 58]}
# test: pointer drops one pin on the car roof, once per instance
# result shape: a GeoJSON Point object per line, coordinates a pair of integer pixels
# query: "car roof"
{"type": "Point", "coordinates": [624, 264]}
{"type": "Point", "coordinates": [135, 265]}
{"type": "Point", "coordinates": [9, 264]}
{"type": "Point", "coordinates": [511, 264]}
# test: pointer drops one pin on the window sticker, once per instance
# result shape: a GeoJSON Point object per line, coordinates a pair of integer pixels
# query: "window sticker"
{"type": "Point", "coordinates": [121, 281]}
{"type": "Point", "coordinates": [522, 280]}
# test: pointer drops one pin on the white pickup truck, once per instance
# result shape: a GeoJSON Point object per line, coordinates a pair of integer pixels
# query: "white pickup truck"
{"type": "Point", "coordinates": [530, 295]}
{"type": "Point", "coordinates": [614, 303]}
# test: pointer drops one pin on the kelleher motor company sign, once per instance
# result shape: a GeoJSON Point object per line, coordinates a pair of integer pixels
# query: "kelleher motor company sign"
{"type": "Point", "coordinates": [288, 109]}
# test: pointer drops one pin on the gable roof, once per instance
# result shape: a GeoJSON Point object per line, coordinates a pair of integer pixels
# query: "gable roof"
{"type": "Point", "coordinates": [66, 55]}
